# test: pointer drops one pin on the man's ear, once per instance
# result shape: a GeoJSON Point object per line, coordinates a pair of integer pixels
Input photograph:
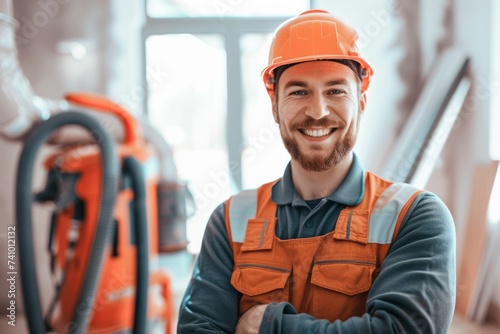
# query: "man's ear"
{"type": "Point", "coordinates": [274, 105]}
{"type": "Point", "coordinates": [362, 102]}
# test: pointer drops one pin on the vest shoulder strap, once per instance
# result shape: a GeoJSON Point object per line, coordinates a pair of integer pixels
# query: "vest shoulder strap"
{"type": "Point", "coordinates": [389, 211]}
{"type": "Point", "coordinates": [249, 204]}
{"type": "Point", "coordinates": [242, 207]}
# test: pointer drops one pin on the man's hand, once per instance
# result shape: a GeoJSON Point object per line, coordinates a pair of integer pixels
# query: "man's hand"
{"type": "Point", "coordinates": [249, 322]}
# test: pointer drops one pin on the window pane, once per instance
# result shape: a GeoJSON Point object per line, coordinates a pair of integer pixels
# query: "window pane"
{"type": "Point", "coordinates": [189, 107]}
{"type": "Point", "coordinates": [264, 157]}
{"type": "Point", "coordinates": [198, 8]}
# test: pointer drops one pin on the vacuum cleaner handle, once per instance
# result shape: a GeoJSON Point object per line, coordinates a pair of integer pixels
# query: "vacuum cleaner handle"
{"type": "Point", "coordinates": [101, 103]}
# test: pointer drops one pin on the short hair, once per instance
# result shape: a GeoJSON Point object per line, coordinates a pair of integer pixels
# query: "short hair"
{"type": "Point", "coordinates": [353, 65]}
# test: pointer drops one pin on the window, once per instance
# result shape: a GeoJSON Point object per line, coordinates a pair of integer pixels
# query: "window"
{"type": "Point", "coordinates": [263, 155]}
{"type": "Point", "coordinates": [189, 108]}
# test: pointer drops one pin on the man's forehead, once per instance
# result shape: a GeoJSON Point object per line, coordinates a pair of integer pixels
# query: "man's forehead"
{"type": "Point", "coordinates": [326, 83]}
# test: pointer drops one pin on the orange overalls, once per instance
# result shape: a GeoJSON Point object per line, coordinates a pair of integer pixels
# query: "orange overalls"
{"type": "Point", "coordinates": [327, 276]}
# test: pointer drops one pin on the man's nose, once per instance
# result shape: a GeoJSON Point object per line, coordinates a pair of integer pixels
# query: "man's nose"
{"type": "Point", "coordinates": [318, 108]}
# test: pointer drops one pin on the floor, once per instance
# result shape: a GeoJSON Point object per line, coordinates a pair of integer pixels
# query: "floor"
{"type": "Point", "coordinates": [182, 262]}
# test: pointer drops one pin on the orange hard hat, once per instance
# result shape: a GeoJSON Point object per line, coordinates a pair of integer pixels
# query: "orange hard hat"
{"type": "Point", "coordinates": [314, 35]}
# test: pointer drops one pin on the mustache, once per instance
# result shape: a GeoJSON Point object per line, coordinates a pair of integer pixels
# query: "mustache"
{"type": "Point", "coordinates": [311, 122]}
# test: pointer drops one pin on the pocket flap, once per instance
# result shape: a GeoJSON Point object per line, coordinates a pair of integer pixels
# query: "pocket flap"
{"type": "Point", "coordinates": [259, 234]}
{"type": "Point", "coordinates": [347, 278]}
{"type": "Point", "coordinates": [253, 280]}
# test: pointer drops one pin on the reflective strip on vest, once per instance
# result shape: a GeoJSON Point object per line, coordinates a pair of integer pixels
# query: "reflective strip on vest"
{"type": "Point", "coordinates": [383, 218]}
{"type": "Point", "coordinates": [386, 211]}
{"type": "Point", "coordinates": [243, 207]}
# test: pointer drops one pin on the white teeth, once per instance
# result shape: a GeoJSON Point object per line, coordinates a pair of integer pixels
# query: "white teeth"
{"type": "Point", "coordinates": [316, 133]}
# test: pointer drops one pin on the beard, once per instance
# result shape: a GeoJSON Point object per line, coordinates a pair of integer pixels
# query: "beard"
{"type": "Point", "coordinates": [319, 162]}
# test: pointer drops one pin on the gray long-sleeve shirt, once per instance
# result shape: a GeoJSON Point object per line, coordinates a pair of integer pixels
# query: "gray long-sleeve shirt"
{"type": "Point", "coordinates": [414, 292]}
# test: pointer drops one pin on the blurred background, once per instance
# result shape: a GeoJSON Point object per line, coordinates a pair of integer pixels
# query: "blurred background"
{"type": "Point", "coordinates": [192, 69]}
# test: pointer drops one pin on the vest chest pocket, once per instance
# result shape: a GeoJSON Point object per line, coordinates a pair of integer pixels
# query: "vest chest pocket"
{"type": "Point", "coordinates": [260, 284]}
{"type": "Point", "coordinates": [340, 287]}
{"type": "Point", "coordinates": [256, 279]}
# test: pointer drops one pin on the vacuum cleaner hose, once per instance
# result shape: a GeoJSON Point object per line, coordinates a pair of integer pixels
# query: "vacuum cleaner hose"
{"type": "Point", "coordinates": [131, 166]}
{"type": "Point", "coordinates": [109, 187]}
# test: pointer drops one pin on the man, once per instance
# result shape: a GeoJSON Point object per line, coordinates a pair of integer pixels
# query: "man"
{"type": "Point", "coordinates": [328, 248]}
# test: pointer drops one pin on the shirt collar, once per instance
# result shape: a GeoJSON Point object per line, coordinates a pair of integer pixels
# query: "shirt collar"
{"type": "Point", "coordinates": [349, 192]}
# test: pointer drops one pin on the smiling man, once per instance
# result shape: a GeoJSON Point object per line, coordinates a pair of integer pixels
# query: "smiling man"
{"type": "Point", "coordinates": [329, 247]}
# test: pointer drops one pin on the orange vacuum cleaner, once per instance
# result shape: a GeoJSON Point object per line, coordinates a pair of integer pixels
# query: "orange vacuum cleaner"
{"type": "Point", "coordinates": [104, 229]}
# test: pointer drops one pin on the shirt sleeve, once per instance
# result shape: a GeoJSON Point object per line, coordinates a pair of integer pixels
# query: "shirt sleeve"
{"type": "Point", "coordinates": [414, 292]}
{"type": "Point", "coordinates": [210, 303]}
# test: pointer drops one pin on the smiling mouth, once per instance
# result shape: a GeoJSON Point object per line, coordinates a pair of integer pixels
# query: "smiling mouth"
{"type": "Point", "coordinates": [317, 133]}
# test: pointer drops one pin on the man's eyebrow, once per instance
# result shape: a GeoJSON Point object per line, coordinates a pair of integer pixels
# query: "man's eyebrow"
{"type": "Point", "coordinates": [337, 82]}
{"type": "Point", "coordinates": [297, 83]}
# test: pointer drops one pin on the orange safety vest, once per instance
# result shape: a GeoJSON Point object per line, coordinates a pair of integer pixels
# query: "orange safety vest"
{"type": "Point", "coordinates": [327, 276]}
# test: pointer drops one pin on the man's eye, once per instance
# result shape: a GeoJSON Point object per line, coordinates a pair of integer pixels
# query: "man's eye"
{"type": "Point", "coordinates": [298, 92]}
{"type": "Point", "coordinates": [335, 91]}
